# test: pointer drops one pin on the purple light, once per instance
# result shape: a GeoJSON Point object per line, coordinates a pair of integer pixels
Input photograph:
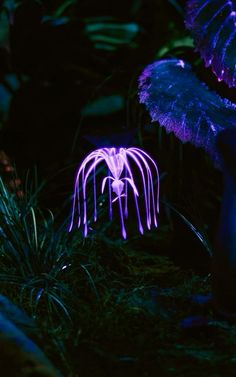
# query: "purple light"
{"type": "Point", "coordinates": [120, 177]}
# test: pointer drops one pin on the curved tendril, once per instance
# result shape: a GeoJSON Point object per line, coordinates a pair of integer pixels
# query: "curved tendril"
{"type": "Point", "coordinates": [84, 183]}
{"type": "Point", "coordinates": [79, 208]}
{"type": "Point", "coordinates": [122, 219]}
{"type": "Point", "coordinates": [132, 184]}
{"type": "Point", "coordinates": [137, 151]}
{"type": "Point", "coordinates": [94, 194]}
{"type": "Point", "coordinates": [82, 171]}
{"type": "Point", "coordinates": [77, 191]}
{"type": "Point", "coordinates": [104, 181]}
{"type": "Point", "coordinates": [84, 203]}
{"type": "Point", "coordinates": [150, 186]}
{"type": "Point", "coordinates": [146, 193]}
{"type": "Point", "coordinates": [126, 195]}
{"type": "Point", "coordinates": [135, 196]}
{"type": "Point", "coordinates": [141, 152]}
{"type": "Point", "coordinates": [110, 199]}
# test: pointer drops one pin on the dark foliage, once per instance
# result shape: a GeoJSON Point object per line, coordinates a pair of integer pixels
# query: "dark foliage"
{"type": "Point", "coordinates": [102, 306]}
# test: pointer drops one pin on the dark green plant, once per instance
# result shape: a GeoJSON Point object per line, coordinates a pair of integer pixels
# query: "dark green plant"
{"type": "Point", "coordinates": [35, 256]}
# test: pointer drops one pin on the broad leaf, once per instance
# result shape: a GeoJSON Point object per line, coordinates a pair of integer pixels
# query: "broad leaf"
{"type": "Point", "coordinates": [181, 103]}
{"type": "Point", "coordinates": [213, 27]}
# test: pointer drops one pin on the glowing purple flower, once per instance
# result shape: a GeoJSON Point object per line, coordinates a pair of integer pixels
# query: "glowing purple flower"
{"type": "Point", "coordinates": [120, 180]}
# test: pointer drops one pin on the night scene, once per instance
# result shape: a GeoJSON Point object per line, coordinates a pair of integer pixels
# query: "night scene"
{"type": "Point", "coordinates": [117, 188]}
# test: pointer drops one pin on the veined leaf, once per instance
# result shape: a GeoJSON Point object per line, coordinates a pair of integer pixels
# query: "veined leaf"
{"type": "Point", "coordinates": [213, 27]}
{"type": "Point", "coordinates": [182, 104]}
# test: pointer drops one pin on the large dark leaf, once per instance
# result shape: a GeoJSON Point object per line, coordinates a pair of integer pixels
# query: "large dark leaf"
{"type": "Point", "coordinates": [181, 103]}
{"type": "Point", "coordinates": [213, 27]}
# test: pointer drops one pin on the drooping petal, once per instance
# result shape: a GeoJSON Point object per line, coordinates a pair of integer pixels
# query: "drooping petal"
{"type": "Point", "coordinates": [76, 197]}
{"type": "Point", "coordinates": [84, 184]}
{"type": "Point", "coordinates": [94, 194]}
{"type": "Point", "coordinates": [137, 154]}
{"type": "Point", "coordinates": [123, 230]}
{"type": "Point", "coordinates": [110, 199]}
{"type": "Point", "coordinates": [104, 181]}
{"type": "Point", "coordinates": [126, 195]}
{"type": "Point", "coordinates": [146, 158]}
{"type": "Point", "coordinates": [132, 184]}
{"type": "Point", "coordinates": [146, 191]}
{"type": "Point", "coordinates": [129, 172]}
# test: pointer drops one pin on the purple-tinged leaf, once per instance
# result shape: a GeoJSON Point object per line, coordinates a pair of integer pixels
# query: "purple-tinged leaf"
{"type": "Point", "coordinates": [182, 104]}
{"type": "Point", "coordinates": [213, 27]}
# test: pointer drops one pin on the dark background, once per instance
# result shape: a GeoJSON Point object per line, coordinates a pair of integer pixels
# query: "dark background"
{"type": "Point", "coordinates": [69, 79]}
{"type": "Point", "coordinates": [69, 74]}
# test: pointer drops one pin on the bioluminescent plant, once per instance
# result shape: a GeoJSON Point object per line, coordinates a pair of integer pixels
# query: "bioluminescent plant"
{"type": "Point", "coordinates": [182, 104]}
{"type": "Point", "coordinates": [120, 180]}
{"type": "Point", "coordinates": [212, 24]}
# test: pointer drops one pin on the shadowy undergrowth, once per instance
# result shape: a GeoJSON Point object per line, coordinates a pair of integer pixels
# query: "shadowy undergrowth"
{"type": "Point", "coordinates": [104, 307]}
{"type": "Point", "coordinates": [108, 307]}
